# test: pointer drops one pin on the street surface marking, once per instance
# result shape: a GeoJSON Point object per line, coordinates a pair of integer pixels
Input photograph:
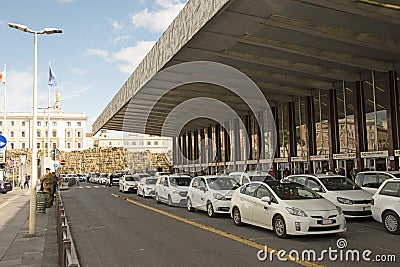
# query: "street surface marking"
{"type": "Point", "coordinates": [218, 232]}
{"type": "Point", "coordinates": [8, 201]}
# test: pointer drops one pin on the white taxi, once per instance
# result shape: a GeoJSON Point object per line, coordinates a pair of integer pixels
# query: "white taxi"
{"type": "Point", "coordinates": [340, 190]}
{"type": "Point", "coordinates": [386, 205]}
{"type": "Point", "coordinates": [211, 193]}
{"type": "Point", "coordinates": [287, 208]}
{"type": "Point", "coordinates": [172, 189]}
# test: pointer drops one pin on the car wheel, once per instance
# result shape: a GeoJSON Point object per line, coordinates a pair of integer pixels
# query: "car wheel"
{"type": "Point", "coordinates": [279, 227]}
{"type": "Point", "coordinates": [391, 222]}
{"type": "Point", "coordinates": [169, 200]}
{"type": "Point", "coordinates": [210, 210]}
{"type": "Point", "coordinates": [237, 218]}
{"type": "Point", "coordinates": [189, 204]}
{"type": "Point", "coordinates": [158, 198]}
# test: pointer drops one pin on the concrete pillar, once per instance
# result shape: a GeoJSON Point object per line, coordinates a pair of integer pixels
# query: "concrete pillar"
{"type": "Point", "coordinates": [393, 116]}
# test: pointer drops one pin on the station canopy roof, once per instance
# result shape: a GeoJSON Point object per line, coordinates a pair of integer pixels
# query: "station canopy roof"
{"type": "Point", "coordinates": [289, 48]}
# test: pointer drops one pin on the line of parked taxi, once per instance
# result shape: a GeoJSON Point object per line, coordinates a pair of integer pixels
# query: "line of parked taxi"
{"type": "Point", "coordinates": [301, 204]}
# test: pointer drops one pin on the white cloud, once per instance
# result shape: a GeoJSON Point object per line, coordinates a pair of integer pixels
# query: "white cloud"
{"type": "Point", "coordinates": [160, 18]}
{"type": "Point", "coordinates": [97, 52]}
{"type": "Point", "coordinates": [116, 25]}
{"type": "Point", "coordinates": [65, 1]}
{"type": "Point", "coordinates": [118, 39]}
{"type": "Point", "coordinates": [19, 84]}
{"type": "Point", "coordinates": [132, 56]}
{"type": "Point", "coordinates": [78, 71]}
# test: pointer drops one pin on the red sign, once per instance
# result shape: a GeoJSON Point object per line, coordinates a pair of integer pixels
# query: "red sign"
{"type": "Point", "coordinates": [62, 162]}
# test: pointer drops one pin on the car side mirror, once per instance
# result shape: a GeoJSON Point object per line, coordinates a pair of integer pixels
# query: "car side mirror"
{"type": "Point", "coordinates": [316, 189]}
{"type": "Point", "coordinates": [266, 199]}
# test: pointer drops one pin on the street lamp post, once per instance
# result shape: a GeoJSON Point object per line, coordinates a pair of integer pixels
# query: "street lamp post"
{"type": "Point", "coordinates": [32, 213]}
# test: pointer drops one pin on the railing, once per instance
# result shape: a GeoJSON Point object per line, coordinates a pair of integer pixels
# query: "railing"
{"type": "Point", "coordinates": [66, 248]}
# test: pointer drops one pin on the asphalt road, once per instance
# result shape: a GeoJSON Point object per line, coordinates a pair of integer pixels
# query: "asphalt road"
{"type": "Point", "coordinates": [114, 229]}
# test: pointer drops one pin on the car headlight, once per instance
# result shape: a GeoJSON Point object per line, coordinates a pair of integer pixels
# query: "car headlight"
{"type": "Point", "coordinates": [296, 212]}
{"type": "Point", "coordinates": [345, 201]}
{"type": "Point", "coordinates": [339, 209]}
{"type": "Point", "coordinates": [218, 196]}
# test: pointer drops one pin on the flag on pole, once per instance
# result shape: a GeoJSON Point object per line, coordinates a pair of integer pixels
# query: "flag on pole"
{"type": "Point", "coordinates": [3, 75]}
{"type": "Point", "coordinates": [52, 78]}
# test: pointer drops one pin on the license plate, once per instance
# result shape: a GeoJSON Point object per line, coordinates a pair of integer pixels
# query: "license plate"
{"type": "Point", "coordinates": [325, 222]}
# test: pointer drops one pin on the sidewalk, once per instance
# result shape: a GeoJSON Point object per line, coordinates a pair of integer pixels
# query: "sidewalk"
{"type": "Point", "coordinates": [17, 248]}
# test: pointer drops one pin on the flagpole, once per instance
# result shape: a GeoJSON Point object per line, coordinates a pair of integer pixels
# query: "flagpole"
{"type": "Point", "coordinates": [48, 126]}
{"type": "Point", "coordinates": [4, 80]}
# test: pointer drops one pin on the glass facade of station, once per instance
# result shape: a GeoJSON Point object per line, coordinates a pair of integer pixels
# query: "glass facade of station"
{"type": "Point", "coordinates": [353, 126]}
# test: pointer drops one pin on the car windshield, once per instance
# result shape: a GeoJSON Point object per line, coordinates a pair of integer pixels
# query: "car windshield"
{"type": "Point", "coordinates": [293, 191]}
{"type": "Point", "coordinates": [144, 175]}
{"type": "Point", "coordinates": [180, 181]}
{"type": "Point", "coordinates": [129, 178]}
{"type": "Point", "coordinates": [222, 183]}
{"type": "Point", "coordinates": [151, 181]}
{"type": "Point", "coordinates": [339, 183]}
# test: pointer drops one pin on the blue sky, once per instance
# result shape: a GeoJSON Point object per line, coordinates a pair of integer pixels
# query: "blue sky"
{"type": "Point", "coordinates": [101, 44]}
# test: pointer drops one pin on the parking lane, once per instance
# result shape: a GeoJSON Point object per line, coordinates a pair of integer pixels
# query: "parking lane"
{"type": "Point", "coordinates": [361, 235]}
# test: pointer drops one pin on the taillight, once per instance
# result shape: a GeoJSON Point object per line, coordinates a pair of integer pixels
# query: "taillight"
{"type": "Point", "coordinates": [372, 201]}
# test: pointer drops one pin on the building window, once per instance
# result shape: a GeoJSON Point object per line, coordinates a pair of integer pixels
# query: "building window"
{"type": "Point", "coordinates": [148, 143]}
{"type": "Point", "coordinates": [46, 145]}
{"type": "Point", "coordinates": [12, 123]}
{"type": "Point", "coordinates": [141, 143]}
{"type": "Point", "coordinates": [68, 123]}
{"type": "Point", "coordinates": [23, 145]}
{"type": "Point", "coordinates": [12, 145]}
{"type": "Point", "coordinates": [54, 123]}
{"type": "Point", "coordinates": [23, 134]}
{"type": "Point", "coordinates": [38, 145]}
{"type": "Point", "coordinates": [79, 145]}
{"type": "Point", "coordinates": [47, 123]}
{"type": "Point", "coordinates": [38, 133]}
{"type": "Point", "coordinates": [1, 123]}
{"type": "Point", "coordinates": [47, 134]}
{"type": "Point", "coordinates": [68, 134]}
{"type": "Point", "coordinates": [11, 134]}
{"type": "Point", "coordinates": [79, 124]}
{"type": "Point", "coordinates": [23, 123]}
{"type": "Point", "coordinates": [156, 143]}
{"type": "Point", "coordinates": [54, 145]}
{"type": "Point", "coordinates": [78, 134]}
{"type": "Point", "coordinates": [54, 133]}
{"type": "Point", "coordinates": [39, 123]}
{"type": "Point", "coordinates": [1, 132]}
{"type": "Point", "coordinates": [68, 145]}
{"type": "Point", "coordinates": [110, 144]}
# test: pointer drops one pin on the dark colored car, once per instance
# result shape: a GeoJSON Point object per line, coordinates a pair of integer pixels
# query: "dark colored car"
{"type": "Point", "coordinates": [5, 187]}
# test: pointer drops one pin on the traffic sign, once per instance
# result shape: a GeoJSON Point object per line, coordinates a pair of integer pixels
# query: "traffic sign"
{"type": "Point", "coordinates": [3, 142]}
{"type": "Point", "coordinates": [55, 165]}
{"type": "Point", "coordinates": [62, 162]}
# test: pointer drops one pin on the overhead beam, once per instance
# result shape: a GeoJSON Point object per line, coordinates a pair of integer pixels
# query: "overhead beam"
{"type": "Point", "coordinates": [316, 70]}
{"type": "Point", "coordinates": [308, 51]}
{"type": "Point", "coordinates": [368, 40]}
{"type": "Point", "coordinates": [366, 8]}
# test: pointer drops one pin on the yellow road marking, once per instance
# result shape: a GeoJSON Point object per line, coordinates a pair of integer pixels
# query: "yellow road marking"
{"type": "Point", "coordinates": [219, 232]}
